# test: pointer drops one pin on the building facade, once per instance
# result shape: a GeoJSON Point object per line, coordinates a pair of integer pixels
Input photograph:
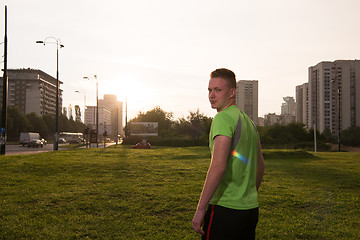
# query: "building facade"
{"type": "Point", "coordinates": [333, 96]}
{"type": "Point", "coordinates": [261, 122]}
{"type": "Point", "coordinates": [104, 119]}
{"type": "Point", "coordinates": [288, 111]}
{"type": "Point", "coordinates": [116, 108]}
{"type": "Point", "coordinates": [32, 91]}
{"type": "Point", "coordinates": [289, 106]}
{"type": "Point", "coordinates": [271, 119]}
{"type": "Point", "coordinates": [302, 104]}
{"type": "Point", "coordinates": [247, 98]}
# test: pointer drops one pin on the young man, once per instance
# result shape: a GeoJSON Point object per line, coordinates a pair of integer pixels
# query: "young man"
{"type": "Point", "coordinates": [236, 169]}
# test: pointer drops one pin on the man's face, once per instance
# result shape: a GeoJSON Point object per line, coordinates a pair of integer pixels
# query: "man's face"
{"type": "Point", "coordinates": [220, 94]}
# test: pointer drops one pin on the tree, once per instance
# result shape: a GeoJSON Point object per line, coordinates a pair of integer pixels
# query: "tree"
{"type": "Point", "coordinates": [38, 124]}
{"type": "Point", "coordinates": [285, 135]}
{"type": "Point", "coordinates": [196, 125]}
{"type": "Point", "coordinates": [49, 121]}
{"type": "Point", "coordinates": [164, 120]}
{"type": "Point", "coordinates": [16, 123]}
{"type": "Point", "coordinates": [350, 136]}
{"type": "Point", "coordinates": [65, 125]}
{"type": "Point", "coordinates": [199, 125]}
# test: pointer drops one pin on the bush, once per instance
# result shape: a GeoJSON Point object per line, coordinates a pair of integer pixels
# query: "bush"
{"type": "Point", "coordinates": [350, 136]}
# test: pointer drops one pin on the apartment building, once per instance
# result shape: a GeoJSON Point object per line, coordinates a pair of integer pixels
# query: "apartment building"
{"type": "Point", "coordinates": [271, 119]}
{"type": "Point", "coordinates": [302, 106]}
{"type": "Point", "coordinates": [332, 91]}
{"type": "Point", "coordinates": [32, 90]}
{"type": "Point", "coordinates": [289, 106]}
{"type": "Point", "coordinates": [288, 111]}
{"type": "Point", "coordinates": [247, 98]}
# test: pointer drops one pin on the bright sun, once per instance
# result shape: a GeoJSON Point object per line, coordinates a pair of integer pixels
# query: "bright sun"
{"type": "Point", "coordinates": [134, 91]}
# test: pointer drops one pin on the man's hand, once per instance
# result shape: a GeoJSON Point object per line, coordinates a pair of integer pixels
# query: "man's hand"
{"type": "Point", "coordinates": [198, 221]}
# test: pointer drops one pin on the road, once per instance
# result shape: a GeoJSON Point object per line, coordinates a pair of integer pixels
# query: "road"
{"type": "Point", "coordinates": [19, 149]}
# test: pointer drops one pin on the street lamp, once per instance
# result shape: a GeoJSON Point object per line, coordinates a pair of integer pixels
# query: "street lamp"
{"type": "Point", "coordinates": [339, 116]}
{"type": "Point", "coordinates": [97, 110]}
{"type": "Point", "coordinates": [56, 41]}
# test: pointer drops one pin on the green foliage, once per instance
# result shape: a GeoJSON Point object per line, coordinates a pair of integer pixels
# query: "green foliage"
{"type": "Point", "coordinates": [164, 120]}
{"type": "Point", "coordinates": [289, 134]}
{"type": "Point", "coordinates": [196, 126]}
{"type": "Point", "coordinates": [328, 137]}
{"type": "Point", "coordinates": [122, 193]}
{"type": "Point", "coordinates": [350, 136]}
{"type": "Point", "coordinates": [37, 124]}
{"type": "Point", "coordinates": [292, 136]}
{"type": "Point", "coordinates": [18, 122]}
{"type": "Point", "coordinates": [190, 131]}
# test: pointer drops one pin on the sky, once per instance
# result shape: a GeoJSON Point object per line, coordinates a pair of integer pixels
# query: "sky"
{"type": "Point", "coordinates": [161, 52]}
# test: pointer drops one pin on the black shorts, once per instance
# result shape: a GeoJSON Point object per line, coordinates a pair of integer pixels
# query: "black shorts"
{"type": "Point", "coordinates": [221, 223]}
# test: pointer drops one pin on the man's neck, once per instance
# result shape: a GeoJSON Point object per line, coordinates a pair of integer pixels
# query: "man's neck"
{"type": "Point", "coordinates": [230, 104]}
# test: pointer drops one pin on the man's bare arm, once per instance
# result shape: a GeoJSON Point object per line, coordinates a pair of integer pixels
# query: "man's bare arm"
{"type": "Point", "coordinates": [215, 173]}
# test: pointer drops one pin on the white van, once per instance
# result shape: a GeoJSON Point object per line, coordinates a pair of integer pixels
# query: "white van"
{"type": "Point", "coordinates": [26, 137]}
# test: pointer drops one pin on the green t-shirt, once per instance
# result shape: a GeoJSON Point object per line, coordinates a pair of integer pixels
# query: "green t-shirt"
{"type": "Point", "coordinates": [237, 189]}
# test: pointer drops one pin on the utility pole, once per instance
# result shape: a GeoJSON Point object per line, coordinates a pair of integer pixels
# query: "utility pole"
{"type": "Point", "coordinates": [5, 90]}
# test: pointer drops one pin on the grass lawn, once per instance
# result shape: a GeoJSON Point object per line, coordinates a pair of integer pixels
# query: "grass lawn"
{"type": "Point", "coordinates": [121, 193]}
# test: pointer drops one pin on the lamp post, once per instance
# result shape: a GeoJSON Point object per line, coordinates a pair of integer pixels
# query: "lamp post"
{"type": "Point", "coordinates": [56, 41]}
{"type": "Point", "coordinates": [339, 117]}
{"type": "Point", "coordinates": [5, 90]}
{"type": "Point", "coordinates": [97, 110]}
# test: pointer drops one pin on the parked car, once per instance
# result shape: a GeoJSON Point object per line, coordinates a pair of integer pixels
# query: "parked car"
{"type": "Point", "coordinates": [61, 140]}
{"type": "Point", "coordinates": [35, 143]}
{"type": "Point", "coordinates": [141, 146]}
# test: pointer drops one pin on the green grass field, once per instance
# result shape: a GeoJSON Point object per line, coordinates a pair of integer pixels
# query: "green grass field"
{"type": "Point", "coordinates": [152, 194]}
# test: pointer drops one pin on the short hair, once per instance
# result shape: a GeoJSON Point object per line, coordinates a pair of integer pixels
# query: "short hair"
{"type": "Point", "coordinates": [226, 74]}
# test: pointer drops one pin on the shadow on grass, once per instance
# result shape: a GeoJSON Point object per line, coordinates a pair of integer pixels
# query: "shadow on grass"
{"type": "Point", "coordinates": [286, 154]}
{"type": "Point", "coordinates": [318, 171]}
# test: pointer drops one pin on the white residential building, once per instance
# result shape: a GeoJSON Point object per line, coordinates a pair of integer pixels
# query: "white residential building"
{"type": "Point", "coordinates": [104, 118]}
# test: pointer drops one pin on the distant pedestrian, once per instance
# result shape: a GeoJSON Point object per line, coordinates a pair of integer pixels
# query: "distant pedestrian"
{"type": "Point", "coordinates": [236, 170]}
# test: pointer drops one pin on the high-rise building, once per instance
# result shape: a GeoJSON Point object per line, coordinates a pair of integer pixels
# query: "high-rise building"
{"type": "Point", "coordinates": [288, 107]}
{"type": "Point", "coordinates": [116, 107]}
{"type": "Point", "coordinates": [288, 111]}
{"type": "Point", "coordinates": [302, 106]}
{"type": "Point", "coordinates": [104, 118]}
{"type": "Point", "coordinates": [32, 91]}
{"type": "Point", "coordinates": [247, 98]}
{"type": "Point", "coordinates": [332, 93]}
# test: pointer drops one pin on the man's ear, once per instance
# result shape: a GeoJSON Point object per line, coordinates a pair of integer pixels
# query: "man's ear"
{"type": "Point", "coordinates": [233, 92]}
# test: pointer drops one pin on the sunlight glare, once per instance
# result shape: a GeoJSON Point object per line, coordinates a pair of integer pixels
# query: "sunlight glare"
{"type": "Point", "coordinates": [130, 88]}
